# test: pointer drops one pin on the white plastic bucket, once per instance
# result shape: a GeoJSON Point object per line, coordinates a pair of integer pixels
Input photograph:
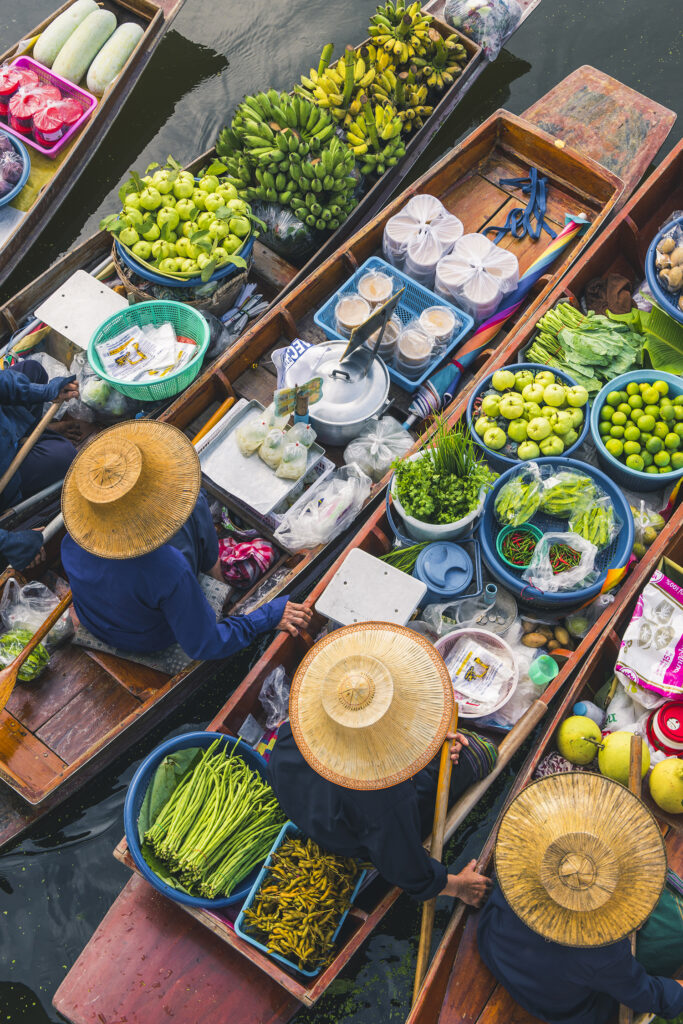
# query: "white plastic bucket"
{"type": "Point", "coordinates": [419, 530]}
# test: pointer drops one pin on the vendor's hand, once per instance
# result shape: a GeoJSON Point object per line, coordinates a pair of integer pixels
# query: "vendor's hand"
{"type": "Point", "coordinates": [68, 392]}
{"type": "Point", "coordinates": [469, 886]}
{"type": "Point", "coordinates": [295, 617]}
{"type": "Point", "coordinates": [40, 557]}
{"type": "Point", "coordinates": [67, 428]}
{"type": "Point", "coordinates": [460, 741]}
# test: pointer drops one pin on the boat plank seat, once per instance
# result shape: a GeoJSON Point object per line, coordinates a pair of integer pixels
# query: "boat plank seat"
{"type": "Point", "coordinates": [140, 680]}
{"type": "Point", "coordinates": [96, 709]}
{"type": "Point", "coordinates": [24, 756]}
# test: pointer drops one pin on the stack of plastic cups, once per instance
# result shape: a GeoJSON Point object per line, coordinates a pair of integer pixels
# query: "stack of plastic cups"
{"type": "Point", "coordinates": [376, 288]}
{"type": "Point", "coordinates": [438, 322]}
{"type": "Point", "coordinates": [414, 351]}
{"type": "Point", "coordinates": [351, 311]}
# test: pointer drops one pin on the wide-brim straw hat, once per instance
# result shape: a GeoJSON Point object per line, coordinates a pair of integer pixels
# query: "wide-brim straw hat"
{"type": "Point", "coordinates": [580, 859]}
{"type": "Point", "coordinates": [131, 489]}
{"type": "Point", "coordinates": [370, 705]}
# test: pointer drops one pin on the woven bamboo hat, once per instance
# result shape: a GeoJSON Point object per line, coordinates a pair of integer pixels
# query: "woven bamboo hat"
{"type": "Point", "coordinates": [131, 489]}
{"type": "Point", "coordinates": [580, 859]}
{"type": "Point", "coordinates": [370, 705]}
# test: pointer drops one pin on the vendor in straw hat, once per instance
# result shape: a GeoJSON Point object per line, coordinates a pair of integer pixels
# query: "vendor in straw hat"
{"type": "Point", "coordinates": [580, 864]}
{"type": "Point", "coordinates": [356, 767]}
{"type": "Point", "coordinates": [139, 532]}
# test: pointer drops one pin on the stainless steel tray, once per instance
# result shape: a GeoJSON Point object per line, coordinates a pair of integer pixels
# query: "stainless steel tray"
{"type": "Point", "coordinates": [246, 478]}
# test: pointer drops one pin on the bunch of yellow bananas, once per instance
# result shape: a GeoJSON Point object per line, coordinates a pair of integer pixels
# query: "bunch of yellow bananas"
{"type": "Point", "coordinates": [443, 61]}
{"type": "Point", "coordinates": [402, 31]}
{"type": "Point", "coordinates": [374, 137]}
{"type": "Point", "coordinates": [411, 101]}
{"type": "Point", "coordinates": [336, 87]}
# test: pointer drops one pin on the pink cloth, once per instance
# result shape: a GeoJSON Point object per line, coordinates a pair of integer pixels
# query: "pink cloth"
{"type": "Point", "coordinates": [244, 562]}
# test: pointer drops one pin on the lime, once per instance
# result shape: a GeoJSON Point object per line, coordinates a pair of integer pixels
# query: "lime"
{"type": "Point", "coordinates": [614, 447]}
{"type": "Point", "coordinates": [633, 389]}
{"type": "Point", "coordinates": [617, 431]}
{"type": "Point", "coordinates": [625, 408]}
{"type": "Point", "coordinates": [604, 428]}
{"type": "Point", "coordinates": [645, 437]}
{"type": "Point", "coordinates": [647, 459]}
{"type": "Point", "coordinates": [607, 412]}
{"type": "Point", "coordinates": [650, 395]}
{"type": "Point", "coordinates": [631, 448]}
{"type": "Point", "coordinates": [678, 400]}
{"type": "Point", "coordinates": [643, 387]}
{"type": "Point", "coordinates": [619, 419]}
{"type": "Point", "coordinates": [661, 386]}
{"type": "Point", "coordinates": [654, 445]}
{"type": "Point", "coordinates": [613, 398]}
{"type": "Point", "coordinates": [666, 412]}
{"type": "Point", "coordinates": [677, 460]}
{"type": "Point", "coordinates": [635, 415]}
{"type": "Point", "coordinates": [662, 459]}
{"type": "Point", "coordinates": [635, 462]}
{"type": "Point", "coordinates": [678, 412]}
{"type": "Point", "coordinates": [678, 429]}
{"type": "Point", "coordinates": [672, 442]}
{"type": "Point", "coordinates": [646, 423]}
{"type": "Point", "coordinates": [661, 430]}
{"type": "Point", "coordinates": [636, 402]}
{"type": "Point", "coordinates": [624, 396]}
{"type": "Point", "coordinates": [651, 469]}
{"type": "Point", "coordinates": [652, 410]}
{"type": "Point", "coordinates": [633, 434]}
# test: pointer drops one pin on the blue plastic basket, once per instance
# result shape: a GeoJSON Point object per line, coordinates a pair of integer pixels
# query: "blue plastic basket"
{"type": "Point", "coordinates": [288, 829]}
{"type": "Point", "coordinates": [662, 297]}
{"type": "Point", "coordinates": [610, 562]}
{"type": "Point", "coordinates": [189, 282]}
{"type": "Point", "coordinates": [136, 795]}
{"type": "Point", "coordinates": [633, 479]}
{"type": "Point", "coordinates": [503, 462]}
{"type": "Point", "coordinates": [23, 153]}
{"type": "Point", "coordinates": [415, 300]}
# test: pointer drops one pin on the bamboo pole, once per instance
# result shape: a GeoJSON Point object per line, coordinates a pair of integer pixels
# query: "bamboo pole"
{"type": "Point", "coordinates": [28, 445]}
{"type": "Point", "coordinates": [635, 784]}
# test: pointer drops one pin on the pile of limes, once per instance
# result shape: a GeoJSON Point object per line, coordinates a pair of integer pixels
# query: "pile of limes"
{"type": "Point", "coordinates": [643, 427]}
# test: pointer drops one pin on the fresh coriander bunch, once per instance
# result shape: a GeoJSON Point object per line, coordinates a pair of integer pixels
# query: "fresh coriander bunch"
{"type": "Point", "coordinates": [444, 484]}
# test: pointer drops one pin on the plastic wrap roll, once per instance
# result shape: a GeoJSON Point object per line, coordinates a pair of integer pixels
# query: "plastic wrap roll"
{"type": "Point", "coordinates": [476, 275]}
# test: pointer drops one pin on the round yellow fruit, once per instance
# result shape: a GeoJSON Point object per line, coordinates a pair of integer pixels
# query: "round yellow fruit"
{"type": "Point", "coordinates": [615, 756]}
{"type": "Point", "coordinates": [666, 785]}
{"type": "Point", "coordinates": [577, 739]}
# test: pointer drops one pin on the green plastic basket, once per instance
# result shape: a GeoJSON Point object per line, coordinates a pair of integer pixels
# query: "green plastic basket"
{"type": "Point", "coordinates": [186, 322]}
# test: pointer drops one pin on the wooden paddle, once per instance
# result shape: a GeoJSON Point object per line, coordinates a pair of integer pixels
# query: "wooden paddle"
{"type": "Point", "coordinates": [8, 676]}
{"type": "Point", "coordinates": [213, 420]}
{"type": "Point", "coordinates": [436, 850]}
{"type": "Point", "coordinates": [635, 784]}
{"type": "Point", "coordinates": [27, 445]}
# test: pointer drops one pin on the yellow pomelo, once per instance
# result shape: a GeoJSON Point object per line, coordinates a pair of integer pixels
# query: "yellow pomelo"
{"type": "Point", "coordinates": [614, 758]}
{"type": "Point", "coordinates": [575, 739]}
{"type": "Point", "coordinates": [666, 785]}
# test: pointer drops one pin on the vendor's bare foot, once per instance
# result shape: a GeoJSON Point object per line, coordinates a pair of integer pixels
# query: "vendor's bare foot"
{"type": "Point", "coordinates": [469, 886]}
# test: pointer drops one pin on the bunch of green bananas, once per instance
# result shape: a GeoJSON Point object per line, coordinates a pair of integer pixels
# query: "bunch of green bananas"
{"type": "Point", "coordinates": [411, 101]}
{"type": "Point", "coordinates": [402, 31]}
{"type": "Point", "coordinates": [324, 196]}
{"type": "Point", "coordinates": [375, 137]}
{"type": "Point", "coordinates": [443, 61]}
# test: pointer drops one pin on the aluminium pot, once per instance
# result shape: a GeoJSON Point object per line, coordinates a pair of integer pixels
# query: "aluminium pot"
{"type": "Point", "coordinates": [352, 392]}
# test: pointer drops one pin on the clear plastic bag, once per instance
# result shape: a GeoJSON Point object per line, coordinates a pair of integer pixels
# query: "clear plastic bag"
{"type": "Point", "coordinates": [27, 608]}
{"type": "Point", "coordinates": [566, 492]}
{"type": "Point", "coordinates": [519, 499]}
{"type": "Point", "coordinates": [648, 525]}
{"type": "Point", "coordinates": [580, 622]}
{"type": "Point", "coordinates": [284, 233]}
{"type": "Point", "coordinates": [303, 433]}
{"type": "Point", "coordinates": [414, 350]}
{"type": "Point", "coordinates": [488, 22]}
{"type": "Point", "coordinates": [293, 463]}
{"type": "Point", "coordinates": [540, 573]}
{"type": "Point", "coordinates": [379, 443]}
{"type": "Point", "coordinates": [272, 448]}
{"type": "Point", "coordinates": [251, 433]}
{"type": "Point", "coordinates": [273, 419]}
{"type": "Point", "coordinates": [596, 522]}
{"type": "Point", "coordinates": [274, 697]}
{"type": "Point", "coordinates": [476, 275]}
{"type": "Point", "coordinates": [375, 287]}
{"type": "Point", "coordinates": [325, 510]}
{"type": "Point", "coordinates": [419, 235]}
{"type": "Point", "coordinates": [11, 646]}
{"type": "Point", "coordinates": [98, 401]}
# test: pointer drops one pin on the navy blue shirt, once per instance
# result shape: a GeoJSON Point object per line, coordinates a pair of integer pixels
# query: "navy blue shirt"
{"type": "Point", "coordinates": [19, 549]}
{"type": "Point", "coordinates": [146, 604]}
{"type": "Point", "coordinates": [17, 394]}
{"type": "Point", "coordinates": [563, 985]}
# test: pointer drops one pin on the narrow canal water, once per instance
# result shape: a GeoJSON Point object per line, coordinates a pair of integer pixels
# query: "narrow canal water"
{"type": "Point", "coordinates": [57, 884]}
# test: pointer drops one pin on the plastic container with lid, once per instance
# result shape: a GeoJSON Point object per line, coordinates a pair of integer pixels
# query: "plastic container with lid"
{"type": "Point", "coordinates": [53, 121]}
{"type": "Point", "coordinates": [11, 81]}
{"type": "Point", "coordinates": [438, 322]}
{"type": "Point", "coordinates": [414, 350]}
{"type": "Point", "coordinates": [375, 287]}
{"type": "Point", "coordinates": [351, 311]}
{"type": "Point", "coordinates": [27, 102]}
{"type": "Point", "coordinates": [446, 570]}
{"type": "Point", "coordinates": [664, 728]}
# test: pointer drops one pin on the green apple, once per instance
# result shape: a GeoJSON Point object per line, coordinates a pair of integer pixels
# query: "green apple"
{"type": "Point", "coordinates": [232, 243]}
{"type": "Point", "coordinates": [483, 424]}
{"type": "Point", "coordinates": [544, 377]}
{"type": "Point", "coordinates": [554, 395]}
{"type": "Point", "coordinates": [161, 250]}
{"type": "Point", "coordinates": [494, 438]}
{"type": "Point", "coordinates": [539, 428]}
{"type": "Point", "coordinates": [132, 201]}
{"type": "Point", "coordinates": [511, 405]}
{"type": "Point", "coordinates": [218, 229]}
{"type": "Point", "coordinates": [143, 250]}
{"type": "Point", "coordinates": [576, 417]}
{"type": "Point", "coordinates": [129, 237]}
{"type": "Point", "coordinates": [552, 445]}
{"type": "Point", "coordinates": [146, 179]}
{"type": "Point", "coordinates": [238, 207]}
{"type": "Point", "coordinates": [203, 260]}
{"type": "Point", "coordinates": [183, 247]}
{"type": "Point", "coordinates": [214, 202]}
{"type": "Point", "coordinates": [152, 233]}
{"type": "Point", "coordinates": [183, 189]}
{"type": "Point", "coordinates": [220, 254]}
{"type": "Point", "coordinates": [531, 409]}
{"type": "Point", "coordinates": [189, 228]}
{"type": "Point", "coordinates": [189, 266]}
{"type": "Point", "coordinates": [577, 396]}
{"type": "Point", "coordinates": [548, 411]}
{"type": "Point", "coordinates": [168, 202]}
{"type": "Point", "coordinates": [150, 198]}
{"type": "Point", "coordinates": [209, 183]}
{"type": "Point", "coordinates": [517, 430]}
{"type": "Point", "coordinates": [133, 217]}
{"type": "Point", "coordinates": [169, 266]}
{"type": "Point", "coordinates": [533, 393]}
{"type": "Point", "coordinates": [240, 226]}
{"type": "Point", "coordinates": [490, 405]}
{"type": "Point", "coordinates": [205, 220]}
{"type": "Point", "coordinates": [562, 423]}
{"type": "Point", "coordinates": [162, 182]}
{"type": "Point", "coordinates": [528, 450]}
{"type": "Point", "coordinates": [503, 380]}
{"type": "Point", "coordinates": [199, 199]}
{"type": "Point", "coordinates": [228, 191]}
{"type": "Point", "coordinates": [186, 209]}
{"type": "Point", "coordinates": [167, 215]}
{"type": "Point", "coordinates": [522, 379]}
{"type": "Point", "coordinates": [172, 236]}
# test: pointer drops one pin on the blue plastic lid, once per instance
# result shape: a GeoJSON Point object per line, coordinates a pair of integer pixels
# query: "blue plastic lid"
{"type": "Point", "coordinates": [445, 568]}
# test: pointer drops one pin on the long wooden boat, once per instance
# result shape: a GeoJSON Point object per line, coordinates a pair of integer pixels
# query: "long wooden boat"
{"type": "Point", "coordinates": [47, 750]}
{"type": "Point", "coordinates": [51, 179]}
{"type": "Point", "coordinates": [164, 934]}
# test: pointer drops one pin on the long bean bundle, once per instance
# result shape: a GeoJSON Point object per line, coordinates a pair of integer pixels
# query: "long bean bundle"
{"type": "Point", "coordinates": [219, 823]}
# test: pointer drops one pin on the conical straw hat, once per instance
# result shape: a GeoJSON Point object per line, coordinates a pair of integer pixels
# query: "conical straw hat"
{"type": "Point", "coordinates": [131, 489]}
{"type": "Point", "coordinates": [580, 859]}
{"type": "Point", "coordinates": [370, 705]}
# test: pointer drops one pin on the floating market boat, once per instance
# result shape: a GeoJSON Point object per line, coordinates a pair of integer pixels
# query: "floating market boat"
{"type": "Point", "coordinates": [200, 963]}
{"type": "Point", "coordinates": [51, 753]}
{"type": "Point", "coordinates": [52, 176]}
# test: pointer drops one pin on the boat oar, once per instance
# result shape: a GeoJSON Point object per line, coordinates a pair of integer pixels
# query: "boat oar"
{"type": "Point", "coordinates": [8, 676]}
{"type": "Point", "coordinates": [635, 784]}
{"type": "Point", "coordinates": [27, 445]}
{"type": "Point", "coordinates": [436, 850]}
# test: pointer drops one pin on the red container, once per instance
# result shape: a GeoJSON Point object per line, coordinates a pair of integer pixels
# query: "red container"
{"type": "Point", "coordinates": [665, 728]}
{"type": "Point", "coordinates": [53, 121]}
{"type": "Point", "coordinates": [11, 80]}
{"type": "Point", "coordinates": [27, 102]}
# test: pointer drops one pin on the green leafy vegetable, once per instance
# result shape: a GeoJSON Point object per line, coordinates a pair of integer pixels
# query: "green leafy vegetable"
{"type": "Point", "coordinates": [663, 337]}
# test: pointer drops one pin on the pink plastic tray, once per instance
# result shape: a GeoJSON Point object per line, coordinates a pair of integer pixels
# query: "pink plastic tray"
{"type": "Point", "coordinates": [47, 77]}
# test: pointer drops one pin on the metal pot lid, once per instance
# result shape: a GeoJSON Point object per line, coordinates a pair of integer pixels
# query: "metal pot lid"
{"type": "Point", "coordinates": [349, 395]}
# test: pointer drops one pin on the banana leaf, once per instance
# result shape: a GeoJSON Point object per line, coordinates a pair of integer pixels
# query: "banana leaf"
{"type": "Point", "coordinates": [167, 777]}
{"type": "Point", "coordinates": [663, 338]}
{"type": "Point", "coordinates": [161, 869]}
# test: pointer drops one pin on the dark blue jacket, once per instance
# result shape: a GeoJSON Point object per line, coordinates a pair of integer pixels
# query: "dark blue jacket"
{"type": "Point", "coordinates": [19, 549]}
{"type": "Point", "coordinates": [563, 985]}
{"type": "Point", "coordinates": [17, 395]}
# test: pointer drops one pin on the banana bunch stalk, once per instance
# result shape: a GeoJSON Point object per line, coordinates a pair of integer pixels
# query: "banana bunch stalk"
{"type": "Point", "coordinates": [443, 62]}
{"type": "Point", "coordinates": [402, 31]}
{"type": "Point", "coordinates": [375, 137]}
{"type": "Point", "coordinates": [411, 101]}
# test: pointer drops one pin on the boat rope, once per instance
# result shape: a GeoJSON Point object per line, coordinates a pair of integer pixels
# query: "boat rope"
{"type": "Point", "coordinates": [519, 221]}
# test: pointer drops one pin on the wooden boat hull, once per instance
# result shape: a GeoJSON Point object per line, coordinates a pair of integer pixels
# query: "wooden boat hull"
{"type": "Point", "coordinates": [156, 17]}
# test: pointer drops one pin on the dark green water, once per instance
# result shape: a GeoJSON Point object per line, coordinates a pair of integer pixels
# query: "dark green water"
{"type": "Point", "coordinates": [57, 884]}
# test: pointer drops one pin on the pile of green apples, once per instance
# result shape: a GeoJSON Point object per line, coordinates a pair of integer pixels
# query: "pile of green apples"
{"type": "Point", "coordinates": [642, 426]}
{"type": "Point", "coordinates": [181, 226]}
{"type": "Point", "coordinates": [530, 414]}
